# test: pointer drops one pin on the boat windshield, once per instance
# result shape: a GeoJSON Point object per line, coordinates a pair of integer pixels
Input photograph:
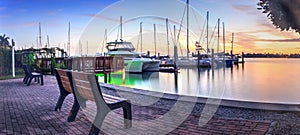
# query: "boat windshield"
{"type": "Point", "coordinates": [120, 46]}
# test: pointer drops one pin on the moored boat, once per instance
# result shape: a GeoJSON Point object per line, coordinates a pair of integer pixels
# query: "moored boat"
{"type": "Point", "coordinates": [132, 60]}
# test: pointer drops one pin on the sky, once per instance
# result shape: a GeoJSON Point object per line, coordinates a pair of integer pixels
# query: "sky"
{"type": "Point", "coordinates": [254, 32]}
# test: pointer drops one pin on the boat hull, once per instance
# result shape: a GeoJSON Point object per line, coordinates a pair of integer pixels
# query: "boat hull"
{"type": "Point", "coordinates": [194, 63]}
{"type": "Point", "coordinates": [151, 66]}
{"type": "Point", "coordinates": [139, 65]}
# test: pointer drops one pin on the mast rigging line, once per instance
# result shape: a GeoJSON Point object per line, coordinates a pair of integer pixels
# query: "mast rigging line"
{"type": "Point", "coordinates": [213, 34]}
{"type": "Point", "coordinates": [202, 33]}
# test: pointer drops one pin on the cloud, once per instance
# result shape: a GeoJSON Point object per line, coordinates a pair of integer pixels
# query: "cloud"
{"type": "Point", "coordinates": [54, 12]}
{"type": "Point", "coordinates": [21, 10]}
{"type": "Point", "coordinates": [97, 5]}
{"type": "Point", "coordinates": [241, 7]}
{"type": "Point", "coordinates": [280, 40]}
{"type": "Point", "coordinates": [248, 9]}
{"type": "Point", "coordinates": [245, 39]}
{"type": "Point", "coordinates": [101, 17]}
{"type": "Point", "coordinates": [4, 16]}
{"type": "Point", "coordinates": [18, 25]}
{"type": "Point", "coordinates": [266, 25]}
{"type": "Point", "coordinates": [2, 8]}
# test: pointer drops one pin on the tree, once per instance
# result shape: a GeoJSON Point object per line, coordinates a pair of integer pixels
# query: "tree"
{"type": "Point", "coordinates": [4, 40]}
{"type": "Point", "coordinates": [283, 13]}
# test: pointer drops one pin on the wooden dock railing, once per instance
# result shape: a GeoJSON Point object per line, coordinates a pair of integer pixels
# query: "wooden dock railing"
{"type": "Point", "coordinates": [103, 64]}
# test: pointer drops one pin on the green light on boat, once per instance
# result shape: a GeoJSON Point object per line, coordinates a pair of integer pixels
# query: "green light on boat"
{"type": "Point", "coordinates": [101, 74]}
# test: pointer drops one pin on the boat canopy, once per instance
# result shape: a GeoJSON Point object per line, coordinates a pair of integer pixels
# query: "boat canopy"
{"type": "Point", "coordinates": [120, 46]}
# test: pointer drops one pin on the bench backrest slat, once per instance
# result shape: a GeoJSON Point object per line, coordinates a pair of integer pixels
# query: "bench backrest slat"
{"type": "Point", "coordinates": [84, 89]}
{"type": "Point", "coordinates": [87, 87]}
{"type": "Point", "coordinates": [65, 82]}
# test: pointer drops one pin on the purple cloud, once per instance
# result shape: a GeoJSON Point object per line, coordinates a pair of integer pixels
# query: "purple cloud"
{"type": "Point", "coordinates": [280, 40]}
{"type": "Point", "coordinates": [54, 12]}
{"type": "Point", "coordinates": [18, 25]}
{"type": "Point", "coordinates": [101, 17]}
{"type": "Point", "coordinates": [2, 8]}
{"type": "Point", "coordinates": [248, 9]}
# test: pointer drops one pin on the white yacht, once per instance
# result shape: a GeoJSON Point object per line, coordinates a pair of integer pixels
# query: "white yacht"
{"type": "Point", "coordinates": [133, 60]}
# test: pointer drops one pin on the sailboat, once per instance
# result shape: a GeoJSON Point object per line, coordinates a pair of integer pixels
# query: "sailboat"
{"type": "Point", "coordinates": [133, 61]}
{"type": "Point", "coordinates": [221, 58]}
{"type": "Point", "coordinates": [201, 59]}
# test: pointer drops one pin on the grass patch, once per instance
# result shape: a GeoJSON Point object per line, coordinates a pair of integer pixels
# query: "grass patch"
{"type": "Point", "coordinates": [10, 77]}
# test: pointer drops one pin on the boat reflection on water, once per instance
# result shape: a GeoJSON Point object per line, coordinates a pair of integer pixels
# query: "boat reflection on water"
{"type": "Point", "coordinates": [145, 80]}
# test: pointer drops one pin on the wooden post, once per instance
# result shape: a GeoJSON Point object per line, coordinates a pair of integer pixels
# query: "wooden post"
{"type": "Point", "coordinates": [105, 77]}
{"type": "Point", "coordinates": [232, 41]}
{"type": "Point", "coordinates": [198, 60]}
{"type": "Point", "coordinates": [123, 76]}
{"type": "Point", "coordinates": [243, 55]}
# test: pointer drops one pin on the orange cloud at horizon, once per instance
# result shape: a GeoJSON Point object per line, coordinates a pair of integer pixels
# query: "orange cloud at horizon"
{"type": "Point", "coordinates": [267, 41]}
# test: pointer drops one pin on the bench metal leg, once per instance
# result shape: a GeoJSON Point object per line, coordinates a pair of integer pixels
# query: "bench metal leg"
{"type": "Point", "coordinates": [98, 122]}
{"type": "Point", "coordinates": [60, 100]}
{"type": "Point", "coordinates": [27, 79]}
{"type": "Point", "coordinates": [127, 116]}
{"type": "Point", "coordinates": [28, 83]}
{"type": "Point", "coordinates": [42, 80]}
{"type": "Point", "coordinates": [94, 130]}
{"type": "Point", "coordinates": [74, 111]}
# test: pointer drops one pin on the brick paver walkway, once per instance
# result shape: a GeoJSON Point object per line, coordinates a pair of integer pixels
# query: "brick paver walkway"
{"type": "Point", "coordinates": [30, 110]}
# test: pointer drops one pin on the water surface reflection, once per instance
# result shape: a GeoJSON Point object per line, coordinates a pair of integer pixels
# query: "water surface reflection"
{"type": "Point", "coordinates": [263, 80]}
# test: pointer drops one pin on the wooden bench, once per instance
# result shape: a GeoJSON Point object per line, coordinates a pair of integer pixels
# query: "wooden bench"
{"type": "Point", "coordinates": [86, 87]}
{"type": "Point", "coordinates": [63, 78]}
{"type": "Point", "coordinates": [29, 75]}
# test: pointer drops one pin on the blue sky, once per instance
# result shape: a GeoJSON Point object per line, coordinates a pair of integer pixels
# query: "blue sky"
{"type": "Point", "coordinates": [254, 32]}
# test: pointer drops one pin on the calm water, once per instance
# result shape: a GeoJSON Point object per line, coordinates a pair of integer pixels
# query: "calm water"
{"type": "Point", "coordinates": [263, 80]}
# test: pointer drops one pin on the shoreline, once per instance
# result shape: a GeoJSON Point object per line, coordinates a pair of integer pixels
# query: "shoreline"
{"type": "Point", "coordinates": [282, 121]}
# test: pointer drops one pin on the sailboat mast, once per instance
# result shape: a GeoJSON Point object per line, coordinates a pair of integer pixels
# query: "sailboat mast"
{"type": "Point", "coordinates": [141, 32]}
{"type": "Point", "coordinates": [175, 34]}
{"type": "Point", "coordinates": [68, 45]}
{"type": "Point", "coordinates": [232, 44]}
{"type": "Point", "coordinates": [40, 35]}
{"type": "Point", "coordinates": [48, 43]}
{"type": "Point", "coordinates": [154, 39]}
{"type": "Point", "coordinates": [121, 32]}
{"type": "Point", "coordinates": [207, 42]}
{"type": "Point", "coordinates": [105, 41]}
{"type": "Point", "coordinates": [224, 38]}
{"type": "Point", "coordinates": [187, 32]}
{"type": "Point", "coordinates": [87, 48]}
{"type": "Point", "coordinates": [168, 44]}
{"type": "Point", "coordinates": [37, 42]}
{"type": "Point", "coordinates": [218, 36]}
{"type": "Point", "coordinates": [175, 47]}
{"type": "Point", "coordinates": [80, 48]}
